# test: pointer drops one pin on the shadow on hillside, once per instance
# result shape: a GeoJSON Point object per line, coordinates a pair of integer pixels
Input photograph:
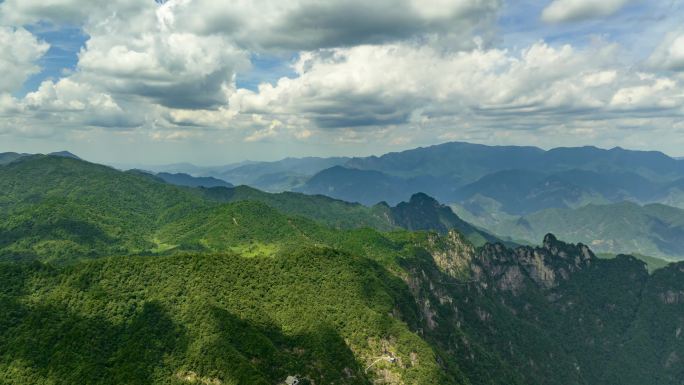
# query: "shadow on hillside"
{"type": "Point", "coordinates": [258, 352]}
{"type": "Point", "coordinates": [54, 345]}
{"type": "Point", "coordinates": [70, 236]}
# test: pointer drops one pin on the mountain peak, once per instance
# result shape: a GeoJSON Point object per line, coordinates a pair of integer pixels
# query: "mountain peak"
{"type": "Point", "coordinates": [422, 198]}
{"type": "Point", "coordinates": [550, 240]}
{"type": "Point", "coordinates": [64, 154]}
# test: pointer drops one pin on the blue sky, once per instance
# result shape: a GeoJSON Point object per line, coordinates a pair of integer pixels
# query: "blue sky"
{"type": "Point", "coordinates": [211, 81]}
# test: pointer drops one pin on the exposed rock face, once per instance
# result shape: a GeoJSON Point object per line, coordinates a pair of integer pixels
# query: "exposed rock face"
{"type": "Point", "coordinates": [452, 253]}
{"type": "Point", "coordinates": [544, 266]}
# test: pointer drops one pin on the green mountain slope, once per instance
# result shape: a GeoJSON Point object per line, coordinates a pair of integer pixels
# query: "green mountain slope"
{"type": "Point", "coordinates": [233, 290]}
{"type": "Point", "coordinates": [62, 209]}
{"type": "Point", "coordinates": [227, 319]}
{"type": "Point", "coordinates": [332, 212]}
{"type": "Point", "coordinates": [655, 229]}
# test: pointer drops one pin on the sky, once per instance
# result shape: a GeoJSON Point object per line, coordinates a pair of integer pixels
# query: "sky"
{"type": "Point", "coordinates": [218, 81]}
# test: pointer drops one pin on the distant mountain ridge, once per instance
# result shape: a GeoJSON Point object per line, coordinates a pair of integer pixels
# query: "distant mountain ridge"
{"type": "Point", "coordinates": [522, 179]}
{"type": "Point", "coordinates": [655, 229]}
{"type": "Point", "coordinates": [181, 179]}
{"type": "Point", "coordinates": [7, 157]}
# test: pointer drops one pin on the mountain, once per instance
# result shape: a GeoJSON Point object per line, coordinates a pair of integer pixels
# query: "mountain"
{"type": "Point", "coordinates": [423, 212]}
{"type": "Point", "coordinates": [60, 208]}
{"type": "Point", "coordinates": [64, 154]}
{"type": "Point", "coordinates": [458, 172]}
{"type": "Point", "coordinates": [626, 227]}
{"type": "Point", "coordinates": [7, 157]}
{"type": "Point", "coordinates": [521, 179]}
{"type": "Point", "coordinates": [470, 162]}
{"type": "Point", "coordinates": [370, 187]}
{"type": "Point", "coordinates": [522, 191]}
{"type": "Point", "coordinates": [181, 179]}
{"type": "Point", "coordinates": [217, 286]}
{"type": "Point", "coordinates": [363, 186]}
{"type": "Point", "coordinates": [276, 176]}
{"type": "Point", "coordinates": [465, 162]}
{"type": "Point", "coordinates": [65, 209]}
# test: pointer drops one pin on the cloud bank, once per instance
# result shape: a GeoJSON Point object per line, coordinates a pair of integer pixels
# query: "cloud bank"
{"type": "Point", "coordinates": [385, 73]}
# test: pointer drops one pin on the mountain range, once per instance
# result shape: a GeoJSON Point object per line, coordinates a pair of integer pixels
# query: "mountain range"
{"type": "Point", "coordinates": [114, 277]}
{"type": "Point", "coordinates": [655, 229]}
{"type": "Point", "coordinates": [495, 187]}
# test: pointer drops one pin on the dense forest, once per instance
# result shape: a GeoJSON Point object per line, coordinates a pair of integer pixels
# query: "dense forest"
{"type": "Point", "coordinates": [113, 277]}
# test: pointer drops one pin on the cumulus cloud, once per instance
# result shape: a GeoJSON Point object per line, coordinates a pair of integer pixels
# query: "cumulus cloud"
{"type": "Point", "coordinates": [575, 10]}
{"type": "Point", "coordinates": [172, 69]}
{"type": "Point", "coordinates": [22, 12]}
{"type": "Point", "coordinates": [669, 54]}
{"type": "Point", "coordinates": [179, 58]}
{"type": "Point", "coordinates": [313, 24]}
{"type": "Point", "coordinates": [385, 71]}
{"type": "Point", "coordinates": [380, 85]}
{"type": "Point", "coordinates": [389, 88]}
{"type": "Point", "coordinates": [265, 24]}
{"type": "Point", "coordinates": [19, 50]}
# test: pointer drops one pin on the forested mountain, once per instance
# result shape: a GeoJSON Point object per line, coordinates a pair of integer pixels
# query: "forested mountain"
{"type": "Point", "coordinates": [65, 208]}
{"type": "Point", "coordinates": [236, 286]}
{"type": "Point", "coordinates": [7, 157]}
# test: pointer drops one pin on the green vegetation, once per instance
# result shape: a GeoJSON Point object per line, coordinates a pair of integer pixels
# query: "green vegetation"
{"type": "Point", "coordinates": [656, 230]}
{"type": "Point", "coordinates": [317, 313]}
{"type": "Point", "coordinates": [119, 278]}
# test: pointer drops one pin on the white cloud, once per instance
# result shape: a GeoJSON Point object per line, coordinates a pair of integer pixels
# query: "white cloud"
{"type": "Point", "coordinates": [656, 94]}
{"type": "Point", "coordinates": [376, 85]}
{"type": "Point", "coordinates": [397, 87]}
{"type": "Point", "coordinates": [574, 10]}
{"type": "Point", "coordinates": [172, 69]}
{"type": "Point", "coordinates": [175, 64]}
{"type": "Point", "coordinates": [19, 51]}
{"type": "Point", "coordinates": [22, 12]}
{"type": "Point", "coordinates": [670, 53]}
{"type": "Point", "coordinates": [388, 72]}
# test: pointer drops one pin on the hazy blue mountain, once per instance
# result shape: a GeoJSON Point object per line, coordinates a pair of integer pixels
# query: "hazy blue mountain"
{"type": "Point", "coordinates": [7, 157]}
{"type": "Point", "coordinates": [522, 191]}
{"type": "Point", "coordinates": [364, 186]}
{"type": "Point", "coordinates": [64, 154]}
{"type": "Point", "coordinates": [281, 175]}
{"type": "Point", "coordinates": [470, 162]}
{"type": "Point", "coordinates": [521, 180]}
{"type": "Point", "coordinates": [465, 162]}
{"type": "Point", "coordinates": [370, 187]}
{"type": "Point", "coordinates": [181, 179]}
{"type": "Point", "coordinates": [654, 229]}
